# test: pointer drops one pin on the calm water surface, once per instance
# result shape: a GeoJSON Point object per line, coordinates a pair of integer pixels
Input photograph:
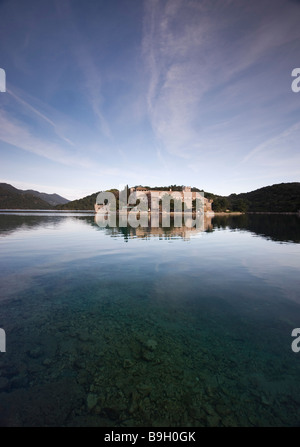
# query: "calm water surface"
{"type": "Point", "coordinates": [149, 327]}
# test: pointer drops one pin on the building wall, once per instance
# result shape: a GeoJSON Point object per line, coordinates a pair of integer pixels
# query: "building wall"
{"type": "Point", "coordinates": [160, 193]}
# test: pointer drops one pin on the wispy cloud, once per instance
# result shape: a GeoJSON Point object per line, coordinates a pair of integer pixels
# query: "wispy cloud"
{"type": "Point", "coordinates": [278, 151]}
{"type": "Point", "coordinates": [86, 60]}
{"type": "Point", "coordinates": [41, 115]}
{"type": "Point", "coordinates": [190, 52]}
{"type": "Point", "coordinates": [93, 86]}
{"type": "Point", "coordinates": [19, 135]}
{"type": "Point", "coordinates": [175, 86]}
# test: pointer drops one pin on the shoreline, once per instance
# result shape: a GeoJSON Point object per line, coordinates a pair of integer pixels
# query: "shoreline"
{"type": "Point", "coordinates": [209, 213]}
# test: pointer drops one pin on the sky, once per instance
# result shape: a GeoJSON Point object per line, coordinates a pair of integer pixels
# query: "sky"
{"type": "Point", "coordinates": [101, 93]}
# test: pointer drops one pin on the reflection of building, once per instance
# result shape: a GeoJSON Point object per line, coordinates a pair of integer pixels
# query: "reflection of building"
{"type": "Point", "coordinates": [184, 232]}
{"type": "Point", "coordinates": [155, 227]}
{"type": "Point", "coordinates": [140, 191]}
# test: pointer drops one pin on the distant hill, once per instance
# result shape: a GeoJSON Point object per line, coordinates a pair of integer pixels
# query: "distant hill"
{"type": "Point", "coordinates": [52, 199]}
{"type": "Point", "coordinates": [86, 203]}
{"type": "Point", "coordinates": [13, 198]}
{"type": "Point", "coordinates": [279, 198]}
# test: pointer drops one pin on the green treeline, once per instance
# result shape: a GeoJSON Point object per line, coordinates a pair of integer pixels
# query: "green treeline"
{"type": "Point", "coordinates": [280, 198]}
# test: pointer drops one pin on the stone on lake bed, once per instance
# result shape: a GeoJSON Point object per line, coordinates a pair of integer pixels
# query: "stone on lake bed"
{"type": "Point", "coordinates": [47, 362]}
{"type": "Point", "coordinates": [148, 356]}
{"type": "Point", "coordinates": [127, 363]}
{"type": "Point", "coordinates": [151, 344]}
{"type": "Point", "coordinates": [91, 401]}
{"type": "Point", "coordinates": [83, 336]}
{"type": "Point", "coordinates": [144, 389]}
{"type": "Point", "coordinates": [4, 382]}
{"type": "Point", "coordinates": [111, 413]}
{"type": "Point", "coordinates": [35, 353]}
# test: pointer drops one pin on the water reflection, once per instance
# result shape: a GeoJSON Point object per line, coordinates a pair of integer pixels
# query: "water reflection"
{"type": "Point", "coordinates": [276, 227]}
{"type": "Point", "coordinates": [155, 227]}
{"type": "Point", "coordinates": [279, 228]}
{"type": "Point", "coordinates": [11, 223]}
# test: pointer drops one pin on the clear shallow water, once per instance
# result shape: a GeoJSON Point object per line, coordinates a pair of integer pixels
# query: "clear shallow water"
{"type": "Point", "coordinates": [161, 327]}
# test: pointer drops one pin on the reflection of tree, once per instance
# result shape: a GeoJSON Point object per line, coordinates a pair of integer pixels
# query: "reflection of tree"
{"type": "Point", "coordinates": [277, 227]}
{"type": "Point", "coordinates": [10, 223]}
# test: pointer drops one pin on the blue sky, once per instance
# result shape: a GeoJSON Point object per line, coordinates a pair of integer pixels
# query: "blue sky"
{"type": "Point", "coordinates": [154, 92]}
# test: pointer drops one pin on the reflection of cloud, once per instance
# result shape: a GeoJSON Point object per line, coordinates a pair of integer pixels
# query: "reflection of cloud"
{"type": "Point", "coordinates": [278, 273]}
{"type": "Point", "coordinates": [54, 259]}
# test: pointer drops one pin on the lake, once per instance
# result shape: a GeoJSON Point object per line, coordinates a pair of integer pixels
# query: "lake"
{"type": "Point", "coordinates": [168, 327]}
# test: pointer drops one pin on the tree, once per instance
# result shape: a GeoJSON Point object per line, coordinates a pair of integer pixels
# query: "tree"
{"type": "Point", "coordinates": [240, 205]}
{"type": "Point", "coordinates": [221, 204]}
